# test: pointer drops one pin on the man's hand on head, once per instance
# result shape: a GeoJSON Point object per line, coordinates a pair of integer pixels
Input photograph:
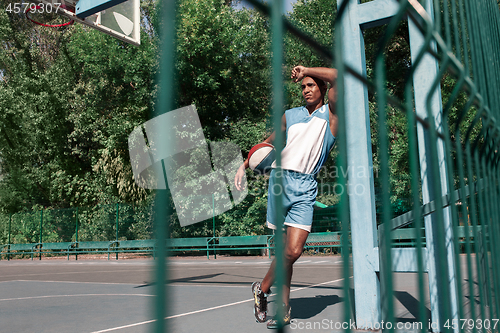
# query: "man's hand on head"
{"type": "Point", "coordinates": [298, 73]}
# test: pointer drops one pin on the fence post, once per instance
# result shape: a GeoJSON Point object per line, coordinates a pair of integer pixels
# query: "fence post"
{"type": "Point", "coordinates": [41, 230]}
{"type": "Point", "coordinates": [117, 214]}
{"type": "Point", "coordinates": [76, 236]}
{"type": "Point", "coordinates": [76, 231]}
{"type": "Point", "coordinates": [213, 220]}
{"type": "Point", "coordinates": [277, 37]}
{"type": "Point", "coordinates": [358, 149]}
{"type": "Point", "coordinates": [8, 247]}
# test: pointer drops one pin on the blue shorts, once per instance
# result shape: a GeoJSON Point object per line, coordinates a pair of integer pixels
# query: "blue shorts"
{"type": "Point", "coordinates": [299, 193]}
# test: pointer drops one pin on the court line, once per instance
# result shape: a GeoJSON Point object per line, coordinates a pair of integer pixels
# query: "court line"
{"type": "Point", "coordinates": [221, 285]}
{"type": "Point", "coordinates": [208, 309]}
{"type": "Point", "coordinates": [82, 272]}
{"type": "Point", "coordinates": [75, 295]}
{"type": "Point", "coordinates": [83, 282]}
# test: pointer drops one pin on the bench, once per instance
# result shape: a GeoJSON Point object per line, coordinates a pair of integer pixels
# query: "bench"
{"type": "Point", "coordinates": [92, 247]}
{"type": "Point", "coordinates": [231, 243]}
{"type": "Point", "coordinates": [189, 244]}
{"type": "Point", "coordinates": [29, 248]}
{"type": "Point", "coordinates": [323, 239]}
{"type": "Point", "coordinates": [57, 248]}
{"type": "Point", "coordinates": [134, 246]}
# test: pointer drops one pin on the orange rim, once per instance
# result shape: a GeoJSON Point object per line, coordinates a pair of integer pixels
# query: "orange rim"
{"type": "Point", "coordinates": [29, 9]}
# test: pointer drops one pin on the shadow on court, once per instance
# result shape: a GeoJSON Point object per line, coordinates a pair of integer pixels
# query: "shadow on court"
{"type": "Point", "coordinates": [309, 307]}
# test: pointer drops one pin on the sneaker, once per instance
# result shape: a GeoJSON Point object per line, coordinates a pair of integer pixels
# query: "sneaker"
{"type": "Point", "coordinates": [260, 303]}
{"type": "Point", "coordinates": [273, 323]}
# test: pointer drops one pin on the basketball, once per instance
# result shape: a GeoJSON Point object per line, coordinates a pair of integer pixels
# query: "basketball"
{"type": "Point", "coordinates": [261, 157]}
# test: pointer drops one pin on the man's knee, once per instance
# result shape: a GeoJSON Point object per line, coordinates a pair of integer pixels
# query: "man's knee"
{"type": "Point", "coordinates": [293, 253]}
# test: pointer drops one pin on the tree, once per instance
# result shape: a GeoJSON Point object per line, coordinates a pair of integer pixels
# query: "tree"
{"type": "Point", "coordinates": [222, 64]}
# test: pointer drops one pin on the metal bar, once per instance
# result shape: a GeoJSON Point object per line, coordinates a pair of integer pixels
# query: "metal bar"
{"type": "Point", "coordinates": [76, 223]}
{"type": "Point", "coordinates": [277, 111]}
{"type": "Point", "coordinates": [41, 230]}
{"type": "Point", "coordinates": [492, 286]}
{"type": "Point", "coordinates": [8, 247]}
{"type": "Point", "coordinates": [163, 211]}
{"type": "Point", "coordinates": [342, 164]}
{"type": "Point", "coordinates": [116, 238]}
{"type": "Point", "coordinates": [406, 219]}
{"type": "Point", "coordinates": [480, 251]}
{"type": "Point", "coordinates": [414, 171]}
{"type": "Point", "coordinates": [386, 271]}
{"type": "Point", "coordinates": [358, 155]}
{"type": "Point", "coordinates": [495, 239]}
{"type": "Point", "coordinates": [213, 220]}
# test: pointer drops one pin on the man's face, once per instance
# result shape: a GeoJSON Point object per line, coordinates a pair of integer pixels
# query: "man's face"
{"type": "Point", "coordinates": [311, 91]}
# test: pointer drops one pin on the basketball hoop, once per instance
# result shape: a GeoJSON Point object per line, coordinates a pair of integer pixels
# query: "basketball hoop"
{"type": "Point", "coordinates": [29, 9]}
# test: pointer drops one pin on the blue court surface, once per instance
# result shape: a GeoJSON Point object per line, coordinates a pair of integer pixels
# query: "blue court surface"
{"type": "Point", "coordinates": [56, 295]}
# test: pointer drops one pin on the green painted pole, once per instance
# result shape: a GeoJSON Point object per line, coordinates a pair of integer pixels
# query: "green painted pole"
{"type": "Point", "coordinates": [41, 230]}
{"type": "Point", "coordinates": [277, 112]}
{"type": "Point", "coordinates": [117, 214]}
{"type": "Point", "coordinates": [76, 231]}
{"type": "Point", "coordinates": [213, 221]}
{"type": "Point", "coordinates": [8, 248]}
{"type": "Point", "coordinates": [76, 234]}
{"type": "Point", "coordinates": [163, 211]}
{"type": "Point", "coordinates": [341, 163]}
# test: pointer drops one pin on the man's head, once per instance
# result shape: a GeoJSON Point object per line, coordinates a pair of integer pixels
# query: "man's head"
{"type": "Point", "coordinates": [313, 90]}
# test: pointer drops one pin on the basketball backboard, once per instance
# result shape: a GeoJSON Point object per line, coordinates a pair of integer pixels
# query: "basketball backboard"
{"type": "Point", "coordinates": [85, 8]}
{"type": "Point", "coordinates": [121, 21]}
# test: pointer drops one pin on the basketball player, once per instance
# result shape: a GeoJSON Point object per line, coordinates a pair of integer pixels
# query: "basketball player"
{"type": "Point", "coordinates": [310, 135]}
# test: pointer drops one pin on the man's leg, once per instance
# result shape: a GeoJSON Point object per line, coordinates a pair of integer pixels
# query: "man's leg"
{"type": "Point", "coordinates": [294, 245]}
{"type": "Point", "coordinates": [295, 241]}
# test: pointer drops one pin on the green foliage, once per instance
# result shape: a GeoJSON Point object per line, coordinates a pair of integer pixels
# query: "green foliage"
{"type": "Point", "coordinates": [315, 18]}
{"type": "Point", "coordinates": [92, 223]}
{"type": "Point", "coordinates": [68, 105]}
{"type": "Point", "coordinates": [70, 97]}
{"type": "Point", "coordinates": [223, 64]}
{"type": "Point", "coordinates": [397, 61]}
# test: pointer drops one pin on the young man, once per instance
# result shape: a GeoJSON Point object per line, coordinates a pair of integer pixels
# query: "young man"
{"type": "Point", "coordinates": [310, 136]}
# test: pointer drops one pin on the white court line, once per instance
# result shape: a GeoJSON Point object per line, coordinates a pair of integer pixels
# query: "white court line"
{"type": "Point", "coordinates": [207, 309]}
{"type": "Point", "coordinates": [126, 326]}
{"type": "Point", "coordinates": [322, 261]}
{"type": "Point", "coordinates": [302, 262]}
{"type": "Point", "coordinates": [76, 295]}
{"type": "Point", "coordinates": [82, 272]}
{"type": "Point", "coordinates": [75, 282]}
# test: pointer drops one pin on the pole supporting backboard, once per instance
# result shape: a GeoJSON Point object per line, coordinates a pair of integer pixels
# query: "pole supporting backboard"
{"type": "Point", "coordinates": [85, 8]}
{"type": "Point", "coordinates": [365, 247]}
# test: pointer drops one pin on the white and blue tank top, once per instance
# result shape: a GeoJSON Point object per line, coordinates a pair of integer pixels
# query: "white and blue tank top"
{"type": "Point", "coordinates": [309, 140]}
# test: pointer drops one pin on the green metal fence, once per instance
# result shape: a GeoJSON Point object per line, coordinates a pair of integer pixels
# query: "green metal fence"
{"type": "Point", "coordinates": [122, 221]}
{"type": "Point", "coordinates": [452, 154]}
{"type": "Point", "coordinates": [453, 158]}
{"type": "Point", "coordinates": [97, 223]}
{"type": "Point", "coordinates": [461, 158]}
